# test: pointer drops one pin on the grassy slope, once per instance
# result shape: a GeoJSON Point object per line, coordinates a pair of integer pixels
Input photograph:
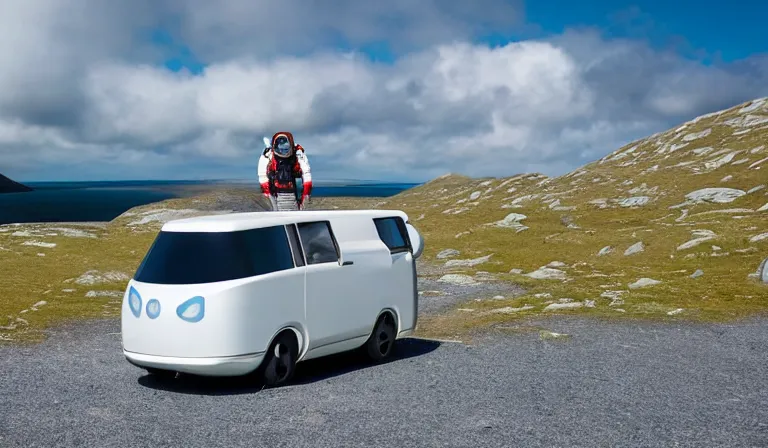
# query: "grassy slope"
{"type": "Point", "coordinates": [724, 291]}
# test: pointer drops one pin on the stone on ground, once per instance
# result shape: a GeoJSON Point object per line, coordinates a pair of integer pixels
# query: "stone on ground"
{"type": "Point", "coordinates": [563, 306]}
{"type": "Point", "coordinates": [512, 221]}
{"type": "Point", "coordinates": [643, 282]}
{"type": "Point", "coordinates": [457, 279]}
{"type": "Point", "coordinates": [605, 251]}
{"type": "Point", "coordinates": [447, 253]}
{"type": "Point", "coordinates": [635, 248]}
{"type": "Point", "coordinates": [467, 263]}
{"type": "Point", "coordinates": [716, 195]}
{"type": "Point", "coordinates": [545, 273]}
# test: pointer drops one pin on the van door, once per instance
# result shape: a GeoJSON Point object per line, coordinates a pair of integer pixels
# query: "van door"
{"type": "Point", "coordinates": [403, 292]}
{"type": "Point", "coordinates": [333, 314]}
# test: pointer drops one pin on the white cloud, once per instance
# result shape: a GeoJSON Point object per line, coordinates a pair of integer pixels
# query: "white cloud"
{"type": "Point", "coordinates": [434, 108]}
{"type": "Point", "coordinates": [228, 29]}
{"type": "Point", "coordinates": [76, 92]}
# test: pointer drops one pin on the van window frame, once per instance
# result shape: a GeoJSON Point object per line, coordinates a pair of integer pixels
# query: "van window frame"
{"type": "Point", "coordinates": [402, 228]}
{"type": "Point", "coordinates": [292, 231]}
{"type": "Point", "coordinates": [335, 242]}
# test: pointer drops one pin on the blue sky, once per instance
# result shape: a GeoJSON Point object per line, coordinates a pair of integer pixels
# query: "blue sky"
{"type": "Point", "coordinates": [714, 32]}
{"type": "Point", "coordinates": [688, 27]}
{"type": "Point", "coordinates": [185, 90]}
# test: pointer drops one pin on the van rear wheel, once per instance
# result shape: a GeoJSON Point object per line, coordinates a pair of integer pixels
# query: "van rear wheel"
{"type": "Point", "coordinates": [281, 361]}
{"type": "Point", "coordinates": [382, 339]}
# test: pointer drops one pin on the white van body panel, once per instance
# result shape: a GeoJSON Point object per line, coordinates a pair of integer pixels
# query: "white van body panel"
{"type": "Point", "coordinates": [331, 307]}
{"type": "Point", "coordinates": [243, 221]}
{"type": "Point", "coordinates": [338, 309]}
{"type": "Point", "coordinates": [416, 239]}
{"type": "Point", "coordinates": [401, 286]}
{"type": "Point", "coordinates": [276, 299]}
{"type": "Point", "coordinates": [217, 366]}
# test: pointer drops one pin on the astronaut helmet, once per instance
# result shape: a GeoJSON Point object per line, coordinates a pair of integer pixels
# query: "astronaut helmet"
{"type": "Point", "coordinates": [283, 145]}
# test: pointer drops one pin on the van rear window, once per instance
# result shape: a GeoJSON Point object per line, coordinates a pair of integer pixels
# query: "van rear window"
{"type": "Point", "coordinates": [393, 233]}
{"type": "Point", "coordinates": [178, 258]}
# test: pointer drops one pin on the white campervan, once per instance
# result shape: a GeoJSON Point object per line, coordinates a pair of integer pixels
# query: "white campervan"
{"type": "Point", "coordinates": [229, 294]}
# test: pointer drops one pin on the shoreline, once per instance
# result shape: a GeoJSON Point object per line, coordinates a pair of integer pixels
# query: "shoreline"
{"type": "Point", "coordinates": [184, 192]}
{"type": "Point", "coordinates": [60, 223]}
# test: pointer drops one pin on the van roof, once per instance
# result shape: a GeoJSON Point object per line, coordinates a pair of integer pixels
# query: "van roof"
{"type": "Point", "coordinates": [232, 222]}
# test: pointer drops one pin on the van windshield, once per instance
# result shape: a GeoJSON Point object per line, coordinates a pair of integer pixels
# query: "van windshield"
{"type": "Point", "coordinates": [183, 258]}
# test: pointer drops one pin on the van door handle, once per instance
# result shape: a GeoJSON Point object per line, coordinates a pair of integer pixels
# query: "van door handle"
{"type": "Point", "coordinates": [347, 263]}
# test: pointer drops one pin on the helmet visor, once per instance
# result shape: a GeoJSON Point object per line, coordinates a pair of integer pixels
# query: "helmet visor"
{"type": "Point", "coordinates": [282, 146]}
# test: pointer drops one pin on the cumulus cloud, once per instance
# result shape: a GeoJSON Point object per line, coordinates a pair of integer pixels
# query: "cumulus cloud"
{"type": "Point", "coordinates": [86, 89]}
{"type": "Point", "coordinates": [229, 29]}
{"type": "Point", "coordinates": [48, 46]}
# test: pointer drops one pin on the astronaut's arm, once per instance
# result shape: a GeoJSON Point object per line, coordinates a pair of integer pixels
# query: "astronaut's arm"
{"type": "Point", "coordinates": [306, 175]}
{"type": "Point", "coordinates": [263, 176]}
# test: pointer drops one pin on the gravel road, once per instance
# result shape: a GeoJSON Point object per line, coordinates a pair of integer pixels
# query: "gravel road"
{"type": "Point", "coordinates": [608, 384]}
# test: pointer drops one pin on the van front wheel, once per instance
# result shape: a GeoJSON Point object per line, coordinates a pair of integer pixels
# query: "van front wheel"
{"type": "Point", "coordinates": [281, 361]}
{"type": "Point", "coordinates": [382, 339]}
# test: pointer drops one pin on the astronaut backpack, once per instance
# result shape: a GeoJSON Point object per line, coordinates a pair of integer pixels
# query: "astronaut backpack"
{"type": "Point", "coordinates": [284, 171]}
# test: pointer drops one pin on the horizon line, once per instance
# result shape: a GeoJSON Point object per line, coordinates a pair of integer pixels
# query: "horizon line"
{"type": "Point", "coordinates": [223, 180]}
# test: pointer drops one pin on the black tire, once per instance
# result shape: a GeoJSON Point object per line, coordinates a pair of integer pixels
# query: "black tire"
{"type": "Point", "coordinates": [382, 339]}
{"type": "Point", "coordinates": [161, 373]}
{"type": "Point", "coordinates": [280, 360]}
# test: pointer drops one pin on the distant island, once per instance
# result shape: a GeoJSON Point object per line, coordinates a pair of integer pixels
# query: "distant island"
{"type": "Point", "coordinates": [10, 186]}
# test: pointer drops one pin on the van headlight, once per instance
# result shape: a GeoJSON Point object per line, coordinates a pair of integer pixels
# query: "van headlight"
{"type": "Point", "coordinates": [134, 301]}
{"type": "Point", "coordinates": [153, 308]}
{"type": "Point", "coordinates": [192, 310]}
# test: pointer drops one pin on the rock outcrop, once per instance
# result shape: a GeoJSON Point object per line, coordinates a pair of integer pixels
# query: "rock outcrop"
{"type": "Point", "coordinates": [9, 186]}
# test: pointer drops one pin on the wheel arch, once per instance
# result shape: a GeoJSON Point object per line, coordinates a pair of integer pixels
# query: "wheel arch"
{"type": "Point", "coordinates": [298, 331]}
{"type": "Point", "coordinates": [395, 317]}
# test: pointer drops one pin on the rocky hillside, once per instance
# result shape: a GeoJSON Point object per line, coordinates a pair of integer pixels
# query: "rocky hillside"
{"type": "Point", "coordinates": [673, 224]}
{"type": "Point", "coordinates": [9, 186]}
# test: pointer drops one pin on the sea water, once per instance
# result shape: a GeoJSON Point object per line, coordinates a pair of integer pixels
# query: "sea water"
{"type": "Point", "coordinates": [104, 201]}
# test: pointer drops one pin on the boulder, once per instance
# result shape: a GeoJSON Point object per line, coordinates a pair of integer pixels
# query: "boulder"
{"type": "Point", "coordinates": [634, 201]}
{"type": "Point", "coordinates": [447, 253]}
{"type": "Point", "coordinates": [467, 263]}
{"type": "Point", "coordinates": [563, 306]}
{"type": "Point", "coordinates": [457, 279]}
{"type": "Point", "coordinates": [643, 282]}
{"type": "Point", "coordinates": [699, 236]}
{"type": "Point", "coordinates": [716, 195]}
{"type": "Point", "coordinates": [605, 251]}
{"type": "Point", "coordinates": [545, 273]}
{"type": "Point", "coordinates": [635, 248]}
{"type": "Point", "coordinates": [512, 221]}
{"type": "Point", "coordinates": [697, 135]}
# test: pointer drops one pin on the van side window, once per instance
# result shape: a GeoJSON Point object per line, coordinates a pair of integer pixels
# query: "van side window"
{"type": "Point", "coordinates": [393, 233]}
{"type": "Point", "coordinates": [318, 242]}
{"type": "Point", "coordinates": [268, 250]}
{"type": "Point", "coordinates": [293, 238]}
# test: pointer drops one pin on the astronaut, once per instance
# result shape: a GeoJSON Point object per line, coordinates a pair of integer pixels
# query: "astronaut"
{"type": "Point", "coordinates": [281, 163]}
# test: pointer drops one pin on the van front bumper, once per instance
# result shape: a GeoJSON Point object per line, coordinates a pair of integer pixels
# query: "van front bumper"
{"type": "Point", "coordinates": [219, 366]}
